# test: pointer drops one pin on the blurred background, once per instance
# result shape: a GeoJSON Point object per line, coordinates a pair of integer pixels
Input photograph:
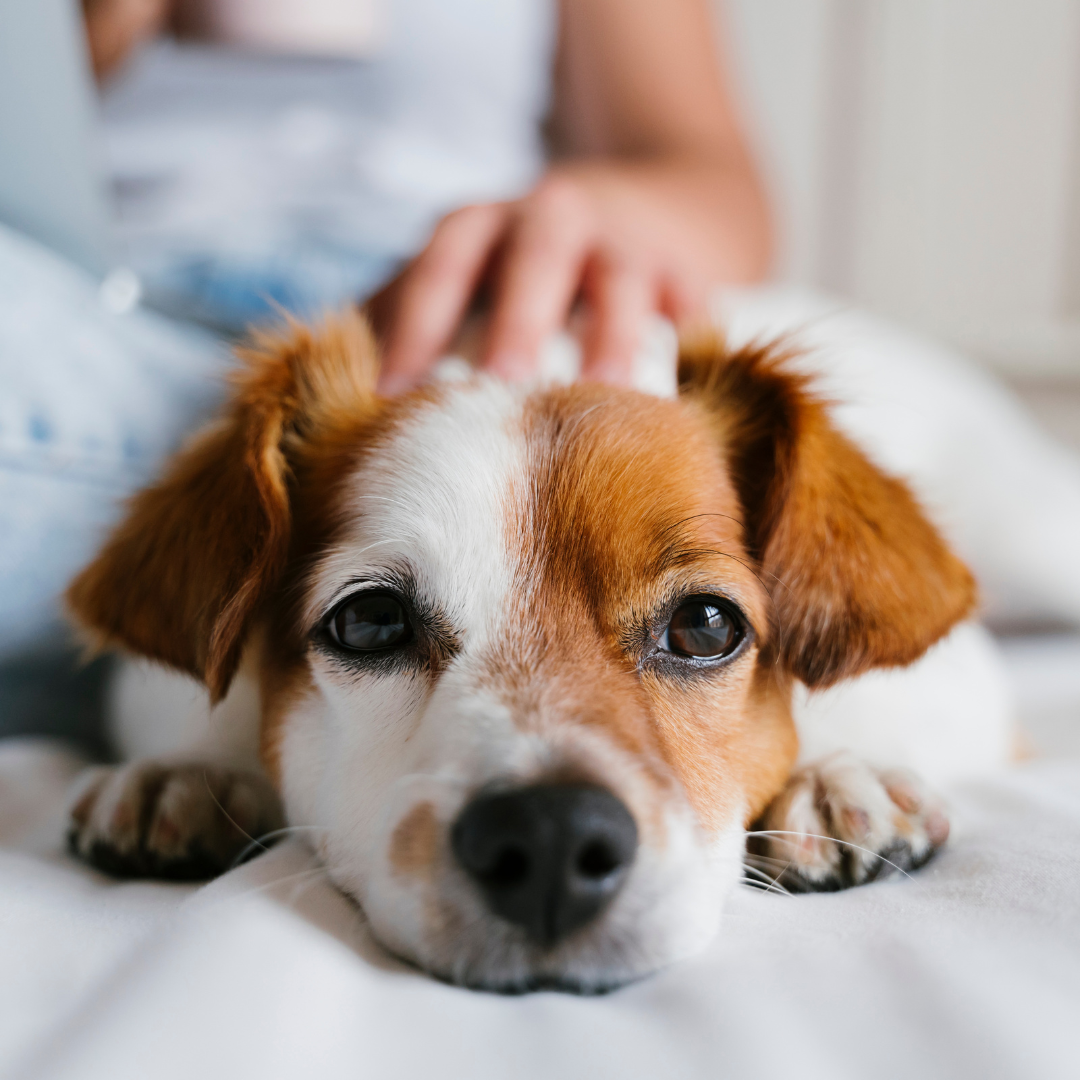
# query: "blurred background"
{"type": "Point", "coordinates": [924, 160]}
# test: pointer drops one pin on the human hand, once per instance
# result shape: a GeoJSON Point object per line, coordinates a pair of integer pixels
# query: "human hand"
{"type": "Point", "coordinates": [616, 241]}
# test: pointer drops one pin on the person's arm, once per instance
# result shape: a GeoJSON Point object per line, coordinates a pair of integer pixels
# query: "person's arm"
{"type": "Point", "coordinates": [653, 200]}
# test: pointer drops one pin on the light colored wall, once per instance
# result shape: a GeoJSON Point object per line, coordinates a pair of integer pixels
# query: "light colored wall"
{"type": "Point", "coordinates": [925, 161]}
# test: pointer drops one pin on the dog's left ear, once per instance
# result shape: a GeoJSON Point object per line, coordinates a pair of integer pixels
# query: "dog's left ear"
{"type": "Point", "coordinates": [858, 576]}
{"type": "Point", "coordinates": [183, 574]}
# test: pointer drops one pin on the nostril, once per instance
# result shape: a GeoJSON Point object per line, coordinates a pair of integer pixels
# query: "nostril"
{"type": "Point", "coordinates": [597, 860]}
{"type": "Point", "coordinates": [548, 858]}
{"type": "Point", "coordinates": [511, 867]}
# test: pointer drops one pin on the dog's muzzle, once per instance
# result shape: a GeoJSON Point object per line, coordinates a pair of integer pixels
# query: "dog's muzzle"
{"type": "Point", "coordinates": [548, 858]}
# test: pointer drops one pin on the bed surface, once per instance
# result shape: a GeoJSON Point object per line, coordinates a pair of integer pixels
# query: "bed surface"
{"type": "Point", "coordinates": [969, 969]}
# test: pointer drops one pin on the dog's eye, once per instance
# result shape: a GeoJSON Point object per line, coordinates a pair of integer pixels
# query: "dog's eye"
{"type": "Point", "coordinates": [369, 622]}
{"type": "Point", "coordinates": [705, 628]}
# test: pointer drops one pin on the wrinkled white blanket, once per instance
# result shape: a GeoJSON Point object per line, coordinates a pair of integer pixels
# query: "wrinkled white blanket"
{"type": "Point", "coordinates": [971, 968]}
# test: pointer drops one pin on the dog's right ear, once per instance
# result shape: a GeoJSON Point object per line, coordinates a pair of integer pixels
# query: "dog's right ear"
{"type": "Point", "coordinates": [182, 575]}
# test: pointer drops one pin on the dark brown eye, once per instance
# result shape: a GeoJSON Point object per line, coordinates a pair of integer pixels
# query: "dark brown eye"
{"type": "Point", "coordinates": [703, 628]}
{"type": "Point", "coordinates": [369, 622]}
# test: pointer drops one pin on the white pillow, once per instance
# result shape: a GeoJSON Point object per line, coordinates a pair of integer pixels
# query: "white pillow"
{"type": "Point", "coordinates": [1006, 495]}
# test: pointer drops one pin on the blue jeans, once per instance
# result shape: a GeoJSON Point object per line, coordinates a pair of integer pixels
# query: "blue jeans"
{"type": "Point", "coordinates": [91, 402]}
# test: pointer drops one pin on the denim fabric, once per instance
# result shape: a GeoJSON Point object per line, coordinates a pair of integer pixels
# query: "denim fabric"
{"type": "Point", "coordinates": [90, 403]}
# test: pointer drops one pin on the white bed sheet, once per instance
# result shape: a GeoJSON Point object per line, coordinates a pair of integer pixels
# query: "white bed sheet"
{"type": "Point", "coordinates": [969, 969]}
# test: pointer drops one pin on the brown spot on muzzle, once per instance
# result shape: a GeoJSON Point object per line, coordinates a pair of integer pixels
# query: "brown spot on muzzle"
{"type": "Point", "coordinates": [414, 846]}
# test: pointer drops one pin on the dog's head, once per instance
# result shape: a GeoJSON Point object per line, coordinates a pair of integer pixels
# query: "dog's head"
{"type": "Point", "coordinates": [525, 654]}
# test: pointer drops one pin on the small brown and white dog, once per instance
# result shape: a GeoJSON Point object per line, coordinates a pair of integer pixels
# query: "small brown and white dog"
{"type": "Point", "coordinates": [520, 660]}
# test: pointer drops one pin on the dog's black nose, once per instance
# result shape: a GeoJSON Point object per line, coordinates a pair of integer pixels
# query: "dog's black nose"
{"type": "Point", "coordinates": [549, 857]}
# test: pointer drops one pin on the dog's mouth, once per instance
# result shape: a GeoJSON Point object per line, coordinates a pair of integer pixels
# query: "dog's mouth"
{"type": "Point", "coordinates": [519, 986]}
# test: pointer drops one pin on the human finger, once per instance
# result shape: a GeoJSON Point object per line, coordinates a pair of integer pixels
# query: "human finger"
{"type": "Point", "coordinates": [684, 300]}
{"type": "Point", "coordinates": [621, 297]}
{"type": "Point", "coordinates": [421, 311]}
{"type": "Point", "coordinates": [539, 276]}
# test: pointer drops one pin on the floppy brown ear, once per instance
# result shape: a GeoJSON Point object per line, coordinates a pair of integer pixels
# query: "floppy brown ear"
{"type": "Point", "coordinates": [183, 574]}
{"type": "Point", "coordinates": [858, 576]}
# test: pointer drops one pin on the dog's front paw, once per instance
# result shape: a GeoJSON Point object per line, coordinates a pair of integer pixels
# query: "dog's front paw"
{"type": "Point", "coordinates": [840, 822]}
{"type": "Point", "coordinates": [184, 822]}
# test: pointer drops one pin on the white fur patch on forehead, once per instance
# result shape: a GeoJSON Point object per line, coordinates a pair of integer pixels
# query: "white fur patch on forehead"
{"type": "Point", "coordinates": [436, 495]}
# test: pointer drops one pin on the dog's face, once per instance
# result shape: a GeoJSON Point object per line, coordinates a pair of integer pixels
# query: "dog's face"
{"type": "Point", "coordinates": [528, 590]}
{"type": "Point", "coordinates": [526, 655]}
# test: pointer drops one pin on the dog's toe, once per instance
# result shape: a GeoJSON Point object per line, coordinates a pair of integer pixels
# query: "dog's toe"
{"type": "Point", "coordinates": [186, 822]}
{"type": "Point", "coordinates": [840, 822]}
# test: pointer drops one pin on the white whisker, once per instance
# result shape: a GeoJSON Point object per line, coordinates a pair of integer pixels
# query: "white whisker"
{"type": "Point", "coordinates": [257, 841]}
{"type": "Point", "coordinates": [302, 875]}
{"type": "Point", "coordinates": [765, 882]}
{"type": "Point", "coordinates": [836, 840]}
{"type": "Point", "coordinates": [229, 817]}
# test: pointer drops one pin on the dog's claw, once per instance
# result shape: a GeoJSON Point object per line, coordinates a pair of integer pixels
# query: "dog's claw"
{"type": "Point", "coordinates": [839, 822]}
{"type": "Point", "coordinates": [184, 822]}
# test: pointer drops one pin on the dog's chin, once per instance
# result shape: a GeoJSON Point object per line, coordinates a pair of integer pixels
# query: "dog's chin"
{"type": "Point", "coordinates": [521, 984]}
{"type": "Point", "coordinates": [452, 938]}
{"type": "Point", "coordinates": [581, 984]}
{"type": "Point", "coordinates": [495, 957]}
{"type": "Point", "coordinates": [668, 909]}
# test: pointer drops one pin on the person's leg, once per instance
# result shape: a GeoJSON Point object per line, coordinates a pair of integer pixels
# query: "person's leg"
{"type": "Point", "coordinates": [90, 403]}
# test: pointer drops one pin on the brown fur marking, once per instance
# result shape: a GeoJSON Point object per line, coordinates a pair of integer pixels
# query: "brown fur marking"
{"type": "Point", "coordinates": [183, 574]}
{"type": "Point", "coordinates": [414, 846]}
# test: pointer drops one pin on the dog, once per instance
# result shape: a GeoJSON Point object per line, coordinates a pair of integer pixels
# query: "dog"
{"type": "Point", "coordinates": [519, 661]}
